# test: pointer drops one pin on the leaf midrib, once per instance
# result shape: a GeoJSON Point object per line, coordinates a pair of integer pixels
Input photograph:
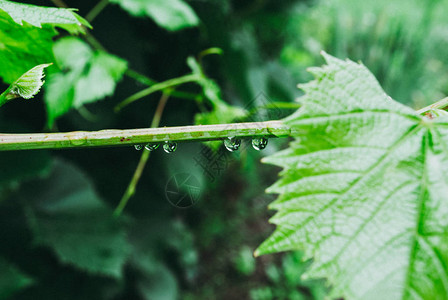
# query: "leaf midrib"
{"type": "Point", "coordinates": [419, 238]}
{"type": "Point", "coordinates": [407, 287]}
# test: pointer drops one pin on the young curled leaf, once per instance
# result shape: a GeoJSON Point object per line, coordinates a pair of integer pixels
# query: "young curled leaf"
{"type": "Point", "coordinates": [27, 86]}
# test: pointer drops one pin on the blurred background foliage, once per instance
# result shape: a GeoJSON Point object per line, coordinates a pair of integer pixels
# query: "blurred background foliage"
{"type": "Point", "coordinates": [59, 239]}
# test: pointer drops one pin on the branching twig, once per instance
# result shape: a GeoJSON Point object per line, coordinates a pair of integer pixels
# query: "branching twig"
{"type": "Point", "coordinates": [162, 86]}
{"type": "Point", "coordinates": [130, 190]}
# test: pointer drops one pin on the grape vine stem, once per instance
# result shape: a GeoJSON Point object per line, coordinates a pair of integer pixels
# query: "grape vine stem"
{"type": "Point", "coordinates": [441, 104]}
{"type": "Point", "coordinates": [129, 137]}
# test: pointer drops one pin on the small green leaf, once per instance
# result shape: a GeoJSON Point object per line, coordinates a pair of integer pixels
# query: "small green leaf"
{"type": "Point", "coordinates": [27, 86]}
{"type": "Point", "coordinates": [11, 279]}
{"type": "Point", "coordinates": [86, 76]}
{"type": "Point", "coordinates": [66, 214]}
{"type": "Point", "coordinates": [364, 189]}
{"type": "Point", "coordinates": [169, 14]}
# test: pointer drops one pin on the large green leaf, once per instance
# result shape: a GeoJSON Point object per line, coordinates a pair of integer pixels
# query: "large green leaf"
{"type": "Point", "coordinates": [38, 15]}
{"type": "Point", "coordinates": [87, 76]}
{"type": "Point", "coordinates": [66, 214]}
{"type": "Point", "coordinates": [22, 44]}
{"type": "Point", "coordinates": [23, 47]}
{"type": "Point", "coordinates": [364, 190]}
{"type": "Point", "coordinates": [169, 14]}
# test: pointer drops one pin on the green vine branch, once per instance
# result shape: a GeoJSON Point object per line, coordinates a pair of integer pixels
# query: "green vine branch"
{"type": "Point", "coordinates": [128, 137]}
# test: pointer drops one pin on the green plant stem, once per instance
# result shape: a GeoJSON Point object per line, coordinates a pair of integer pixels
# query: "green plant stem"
{"type": "Point", "coordinates": [59, 3]}
{"type": "Point", "coordinates": [130, 190]}
{"type": "Point", "coordinates": [170, 83]}
{"type": "Point", "coordinates": [86, 114]}
{"type": "Point", "coordinates": [96, 10]}
{"type": "Point", "coordinates": [441, 104]}
{"type": "Point", "coordinates": [139, 77]}
{"type": "Point", "coordinates": [3, 98]}
{"type": "Point", "coordinates": [94, 42]}
{"type": "Point", "coordinates": [128, 137]}
{"type": "Point", "coordinates": [209, 51]}
{"type": "Point", "coordinates": [148, 81]}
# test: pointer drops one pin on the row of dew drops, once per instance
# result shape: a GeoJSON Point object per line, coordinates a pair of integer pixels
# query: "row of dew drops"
{"type": "Point", "coordinates": [232, 144]}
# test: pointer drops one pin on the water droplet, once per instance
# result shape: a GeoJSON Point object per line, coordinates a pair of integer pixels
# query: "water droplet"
{"type": "Point", "coordinates": [169, 147]}
{"type": "Point", "coordinates": [151, 147]}
{"type": "Point", "coordinates": [138, 147]}
{"type": "Point", "coordinates": [232, 143]}
{"type": "Point", "coordinates": [259, 143]}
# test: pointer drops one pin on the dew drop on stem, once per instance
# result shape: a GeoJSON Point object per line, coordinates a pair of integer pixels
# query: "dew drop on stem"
{"type": "Point", "coordinates": [169, 147]}
{"type": "Point", "coordinates": [151, 147]}
{"type": "Point", "coordinates": [259, 143]}
{"type": "Point", "coordinates": [232, 143]}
